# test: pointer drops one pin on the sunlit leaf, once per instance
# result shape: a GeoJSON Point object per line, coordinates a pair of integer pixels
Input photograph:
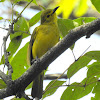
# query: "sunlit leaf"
{"type": "Point", "coordinates": [66, 6]}
{"type": "Point", "coordinates": [53, 88]}
{"type": "Point", "coordinates": [65, 25]}
{"type": "Point", "coordinates": [94, 70]}
{"type": "Point", "coordinates": [34, 1]}
{"type": "Point", "coordinates": [77, 90]}
{"type": "Point", "coordinates": [82, 62]}
{"type": "Point", "coordinates": [21, 28]}
{"type": "Point", "coordinates": [1, 18]}
{"type": "Point", "coordinates": [83, 20]}
{"type": "Point", "coordinates": [81, 8]}
{"type": "Point", "coordinates": [96, 91]}
{"type": "Point", "coordinates": [19, 63]}
{"type": "Point", "coordinates": [96, 4]}
{"type": "Point", "coordinates": [13, 46]}
{"type": "Point", "coordinates": [90, 83]}
{"type": "Point", "coordinates": [16, 1]}
{"type": "Point", "coordinates": [29, 86]}
{"type": "Point", "coordinates": [2, 0]}
{"type": "Point", "coordinates": [35, 19]}
{"type": "Point", "coordinates": [93, 55]}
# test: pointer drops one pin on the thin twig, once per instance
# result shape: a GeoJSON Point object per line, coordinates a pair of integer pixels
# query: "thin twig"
{"type": "Point", "coordinates": [25, 96]}
{"type": "Point", "coordinates": [54, 76]}
{"type": "Point", "coordinates": [1, 54]}
{"type": "Point", "coordinates": [12, 11]}
{"type": "Point", "coordinates": [66, 85]}
{"type": "Point", "coordinates": [3, 76]}
{"type": "Point", "coordinates": [73, 55]}
{"type": "Point", "coordinates": [91, 83]}
{"type": "Point", "coordinates": [23, 10]}
{"type": "Point", "coordinates": [55, 80]}
{"type": "Point", "coordinates": [10, 70]}
{"type": "Point", "coordinates": [4, 28]}
{"type": "Point", "coordinates": [84, 52]}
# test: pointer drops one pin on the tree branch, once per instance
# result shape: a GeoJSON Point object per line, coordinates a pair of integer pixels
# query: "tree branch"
{"type": "Point", "coordinates": [54, 76]}
{"type": "Point", "coordinates": [22, 82]}
{"type": "Point", "coordinates": [10, 70]}
{"type": "Point", "coordinates": [3, 76]}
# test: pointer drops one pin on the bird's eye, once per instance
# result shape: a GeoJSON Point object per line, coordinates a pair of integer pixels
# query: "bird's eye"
{"type": "Point", "coordinates": [48, 16]}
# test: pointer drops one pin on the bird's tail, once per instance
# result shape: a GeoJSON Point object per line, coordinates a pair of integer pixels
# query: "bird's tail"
{"type": "Point", "coordinates": [37, 88]}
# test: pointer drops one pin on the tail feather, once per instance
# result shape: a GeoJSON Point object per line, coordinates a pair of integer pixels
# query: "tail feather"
{"type": "Point", "coordinates": [37, 88]}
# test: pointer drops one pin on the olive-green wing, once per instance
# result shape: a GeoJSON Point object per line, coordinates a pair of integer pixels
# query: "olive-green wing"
{"type": "Point", "coordinates": [29, 49]}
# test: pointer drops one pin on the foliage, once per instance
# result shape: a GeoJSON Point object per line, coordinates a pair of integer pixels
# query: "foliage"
{"type": "Point", "coordinates": [53, 88]}
{"type": "Point", "coordinates": [96, 4]}
{"type": "Point", "coordinates": [16, 1]}
{"type": "Point", "coordinates": [77, 90]}
{"type": "Point", "coordinates": [17, 58]}
{"type": "Point", "coordinates": [77, 7]}
{"type": "Point", "coordinates": [35, 19]}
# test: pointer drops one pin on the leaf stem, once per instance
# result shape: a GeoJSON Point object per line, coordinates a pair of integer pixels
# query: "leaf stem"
{"type": "Point", "coordinates": [23, 9]}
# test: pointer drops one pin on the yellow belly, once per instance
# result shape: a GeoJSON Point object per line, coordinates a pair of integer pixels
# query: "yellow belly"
{"type": "Point", "coordinates": [43, 42]}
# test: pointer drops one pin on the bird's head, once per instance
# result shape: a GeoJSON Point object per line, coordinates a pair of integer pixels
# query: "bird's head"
{"type": "Point", "coordinates": [48, 16]}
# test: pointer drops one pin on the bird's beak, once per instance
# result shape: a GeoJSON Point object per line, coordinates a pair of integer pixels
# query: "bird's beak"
{"type": "Point", "coordinates": [55, 9]}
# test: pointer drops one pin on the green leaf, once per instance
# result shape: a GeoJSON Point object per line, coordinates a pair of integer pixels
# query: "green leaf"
{"type": "Point", "coordinates": [77, 90]}
{"type": "Point", "coordinates": [76, 66]}
{"type": "Point", "coordinates": [19, 62]}
{"type": "Point", "coordinates": [89, 84]}
{"type": "Point", "coordinates": [1, 18]}
{"type": "Point", "coordinates": [66, 7]}
{"type": "Point", "coordinates": [93, 55]}
{"type": "Point", "coordinates": [2, 84]}
{"type": "Point", "coordinates": [35, 19]}
{"type": "Point", "coordinates": [18, 98]}
{"type": "Point", "coordinates": [94, 70]}
{"type": "Point", "coordinates": [21, 28]}
{"type": "Point", "coordinates": [34, 1]}
{"type": "Point", "coordinates": [81, 8]}
{"type": "Point", "coordinates": [96, 91]}
{"type": "Point", "coordinates": [13, 46]}
{"type": "Point", "coordinates": [53, 88]}
{"type": "Point", "coordinates": [16, 1]}
{"type": "Point", "coordinates": [2, 0]}
{"type": "Point", "coordinates": [96, 4]}
{"type": "Point", "coordinates": [80, 21]}
{"type": "Point", "coordinates": [82, 62]}
{"type": "Point", "coordinates": [68, 93]}
{"type": "Point", "coordinates": [65, 25]}
{"type": "Point", "coordinates": [29, 86]}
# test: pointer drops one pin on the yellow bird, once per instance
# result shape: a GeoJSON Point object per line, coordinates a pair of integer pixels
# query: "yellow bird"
{"type": "Point", "coordinates": [43, 38]}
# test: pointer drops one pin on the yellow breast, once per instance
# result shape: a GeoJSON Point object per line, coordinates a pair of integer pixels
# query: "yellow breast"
{"type": "Point", "coordinates": [47, 36]}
